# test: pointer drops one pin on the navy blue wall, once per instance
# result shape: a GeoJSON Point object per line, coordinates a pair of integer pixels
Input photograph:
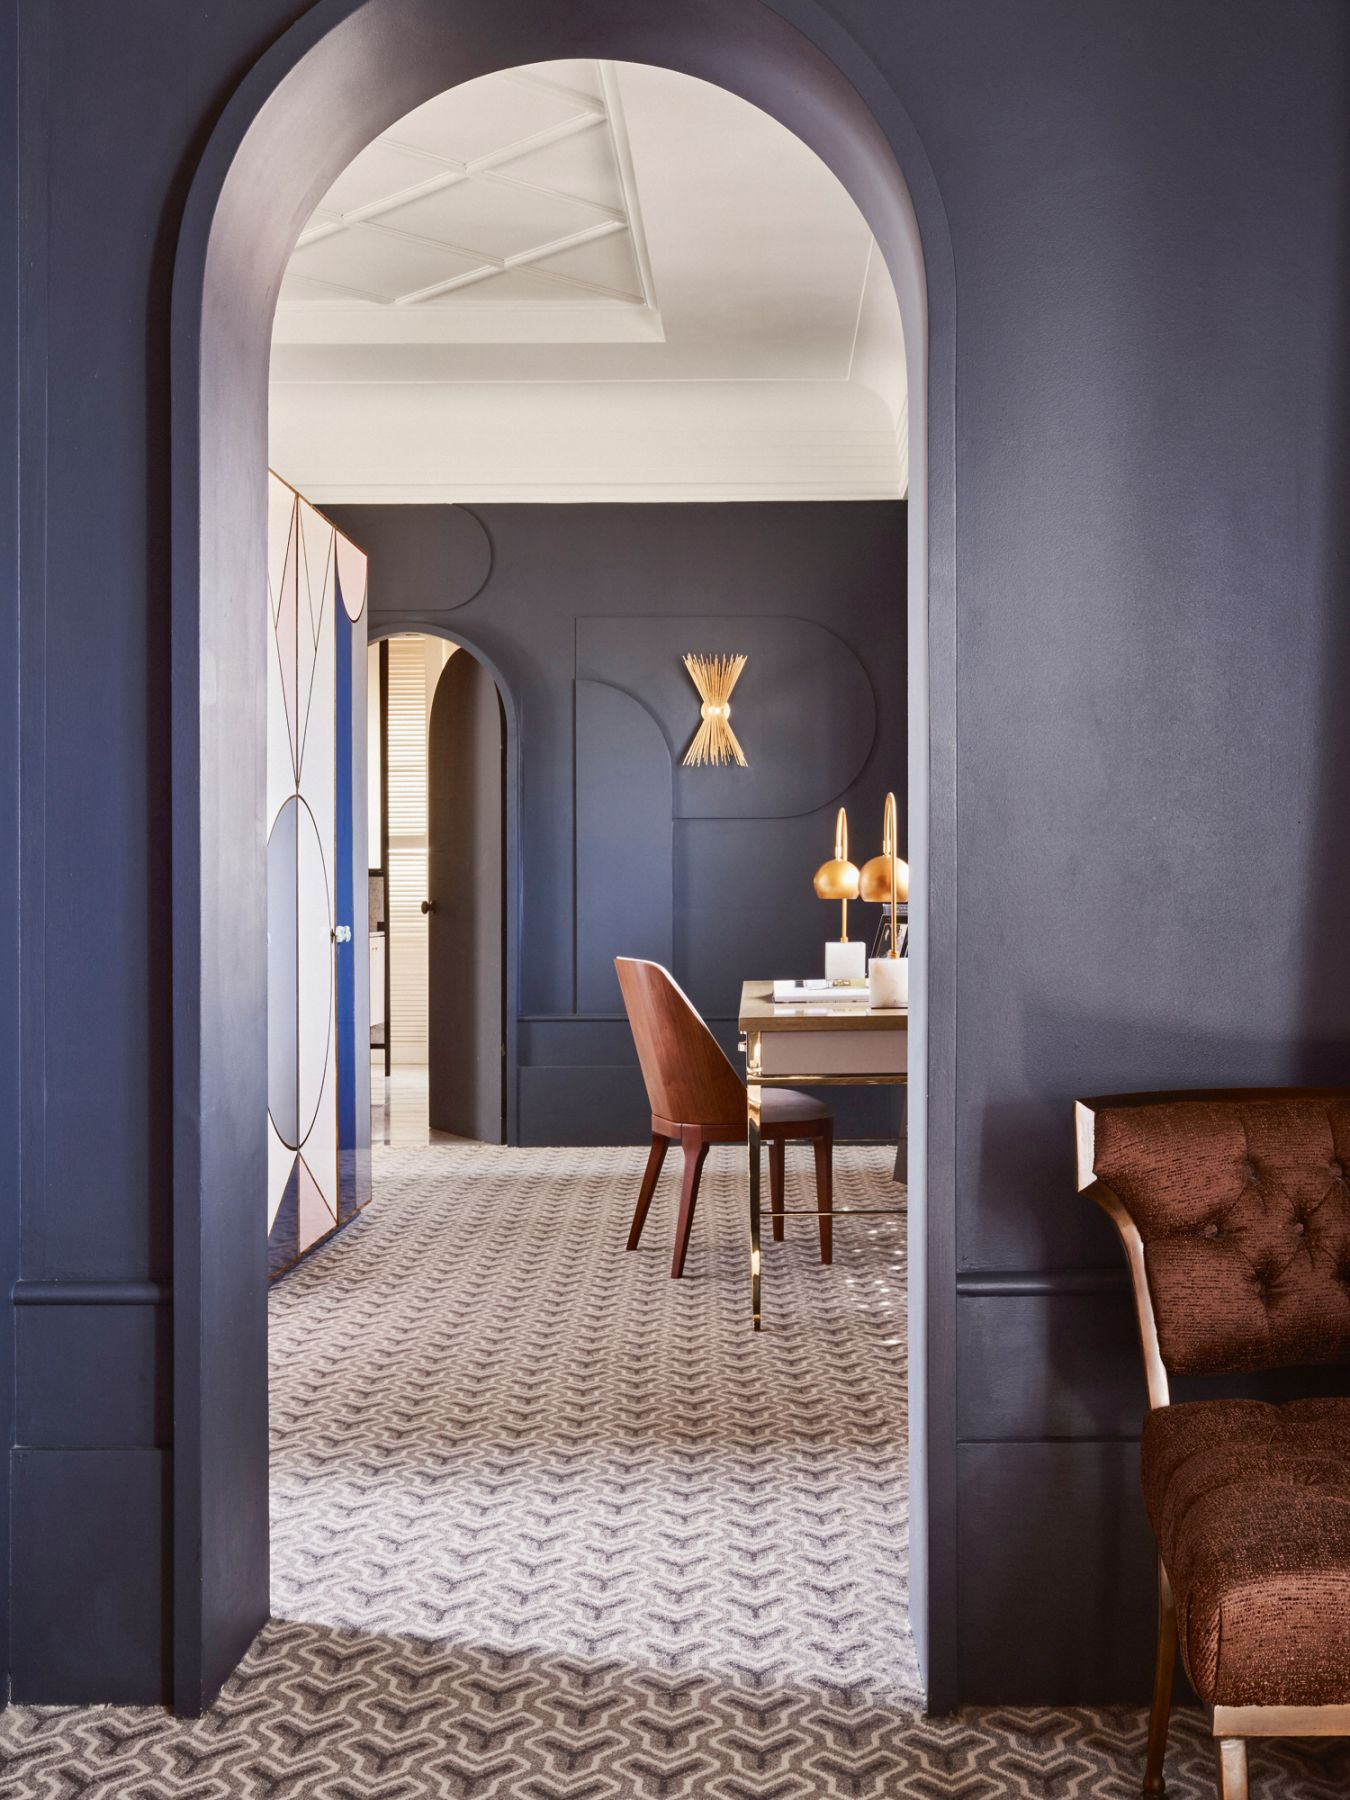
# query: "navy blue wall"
{"type": "Point", "coordinates": [585, 615]}
{"type": "Point", "coordinates": [11, 1105]}
{"type": "Point", "coordinates": [1148, 212]}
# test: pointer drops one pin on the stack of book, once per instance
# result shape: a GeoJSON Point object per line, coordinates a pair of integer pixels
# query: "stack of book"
{"type": "Point", "coordinates": [818, 993]}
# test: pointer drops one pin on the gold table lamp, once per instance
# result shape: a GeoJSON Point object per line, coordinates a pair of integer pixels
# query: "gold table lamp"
{"type": "Point", "coordinates": [885, 879]}
{"type": "Point", "coordinates": [838, 880]}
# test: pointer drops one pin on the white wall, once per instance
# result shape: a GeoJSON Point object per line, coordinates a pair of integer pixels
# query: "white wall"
{"type": "Point", "coordinates": [481, 442]}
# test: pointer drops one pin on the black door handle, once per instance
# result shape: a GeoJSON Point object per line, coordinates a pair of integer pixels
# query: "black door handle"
{"type": "Point", "coordinates": [429, 906]}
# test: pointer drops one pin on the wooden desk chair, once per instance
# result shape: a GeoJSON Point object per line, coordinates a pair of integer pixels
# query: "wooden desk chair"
{"type": "Point", "coordinates": [698, 1099]}
{"type": "Point", "coordinates": [1234, 1210]}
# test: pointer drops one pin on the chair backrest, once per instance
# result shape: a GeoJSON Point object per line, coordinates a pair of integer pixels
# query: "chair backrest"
{"type": "Point", "coordinates": [1235, 1211]}
{"type": "Point", "coordinates": [689, 1079]}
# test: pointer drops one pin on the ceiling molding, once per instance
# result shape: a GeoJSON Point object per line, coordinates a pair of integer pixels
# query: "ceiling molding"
{"type": "Point", "coordinates": [393, 254]}
{"type": "Point", "coordinates": [471, 312]}
{"type": "Point", "coordinates": [623, 158]}
{"type": "Point", "coordinates": [557, 492]}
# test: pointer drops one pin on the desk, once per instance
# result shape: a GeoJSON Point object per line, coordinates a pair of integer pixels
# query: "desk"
{"type": "Point", "coordinates": [849, 1045]}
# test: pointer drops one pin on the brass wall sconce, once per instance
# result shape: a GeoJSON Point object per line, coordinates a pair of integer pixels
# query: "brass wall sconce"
{"type": "Point", "coordinates": [838, 880]}
{"type": "Point", "coordinates": [714, 742]}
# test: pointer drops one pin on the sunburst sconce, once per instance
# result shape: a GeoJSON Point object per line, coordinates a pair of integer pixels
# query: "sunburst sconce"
{"type": "Point", "coordinates": [714, 741]}
{"type": "Point", "coordinates": [838, 880]}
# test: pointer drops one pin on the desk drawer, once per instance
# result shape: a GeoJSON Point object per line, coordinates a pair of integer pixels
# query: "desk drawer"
{"type": "Point", "coordinates": [834, 1052]}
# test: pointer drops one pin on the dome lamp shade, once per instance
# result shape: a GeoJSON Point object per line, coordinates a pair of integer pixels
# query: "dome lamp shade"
{"type": "Point", "coordinates": [884, 879]}
{"type": "Point", "coordinates": [838, 878]}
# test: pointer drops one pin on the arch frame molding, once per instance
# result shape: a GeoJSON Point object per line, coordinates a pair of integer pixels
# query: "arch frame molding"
{"type": "Point", "coordinates": [344, 72]}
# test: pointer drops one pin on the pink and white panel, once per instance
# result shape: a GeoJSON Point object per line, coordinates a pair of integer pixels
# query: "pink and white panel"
{"type": "Point", "coordinates": [306, 888]}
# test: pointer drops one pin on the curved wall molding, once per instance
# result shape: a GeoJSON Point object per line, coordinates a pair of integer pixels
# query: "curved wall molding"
{"type": "Point", "coordinates": [804, 708]}
{"type": "Point", "coordinates": [446, 565]}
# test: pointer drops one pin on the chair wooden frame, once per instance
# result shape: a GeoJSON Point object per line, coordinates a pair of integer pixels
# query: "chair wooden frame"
{"type": "Point", "coordinates": [1231, 1725]}
{"type": "Point", "coordinates": [697, 1140]}
{"type": "Point", "coordinates": [686, 1072]}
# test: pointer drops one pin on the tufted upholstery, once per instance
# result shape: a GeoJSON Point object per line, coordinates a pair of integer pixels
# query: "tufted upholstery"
{"type": "Point", "coordinates": [1243, 1205]}
{"type": "Point", "coordinates": [1250, 1504]}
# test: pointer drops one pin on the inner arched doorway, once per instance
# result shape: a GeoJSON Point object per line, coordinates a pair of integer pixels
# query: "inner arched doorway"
{"type": "Point", "coordinates": [469, 872]}
{"type": "Point", "coordinates": [328, 86]}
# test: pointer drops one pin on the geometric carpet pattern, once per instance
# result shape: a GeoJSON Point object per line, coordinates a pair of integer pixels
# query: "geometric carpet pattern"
{"type": "Point", "coordinates": [549, 1525]}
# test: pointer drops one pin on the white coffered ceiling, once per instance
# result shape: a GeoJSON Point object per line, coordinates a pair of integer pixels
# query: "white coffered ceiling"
{"type": "Point", "coordinates": [502, 210]}
{"type": "Point", "coordinates": [586, 280]}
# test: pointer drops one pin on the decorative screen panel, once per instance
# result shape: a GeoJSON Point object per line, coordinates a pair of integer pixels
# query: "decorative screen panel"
{"type": "Point", "coordinates": [318, 1072]}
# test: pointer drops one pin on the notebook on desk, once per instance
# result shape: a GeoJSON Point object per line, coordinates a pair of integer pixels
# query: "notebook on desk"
{"type": "Point", "coordinates": [818, 993]}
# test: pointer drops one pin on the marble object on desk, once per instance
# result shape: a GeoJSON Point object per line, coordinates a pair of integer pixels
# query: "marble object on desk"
{"type": "Point", "coordinates": [845, 961]}
{"type": "Point", "coordinates": [888, 981]}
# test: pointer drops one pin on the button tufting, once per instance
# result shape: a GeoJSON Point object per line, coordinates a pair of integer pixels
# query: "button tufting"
{"type": "Point", "coordinates": [1210, 1231]}
{"type": "Point", "coordinates": [1299, 1227]}
{"type": "Point", "coordinates": [1337, 1168]}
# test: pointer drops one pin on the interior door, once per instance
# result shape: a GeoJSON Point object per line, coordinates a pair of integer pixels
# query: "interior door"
{"type": "Point", "coordinates": [466, 963]}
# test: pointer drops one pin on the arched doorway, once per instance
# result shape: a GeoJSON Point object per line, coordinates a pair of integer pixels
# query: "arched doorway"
{"type": "Point", "coordinates": [472, 948]}
{"type": "Point", "coordinates": [343, 73]}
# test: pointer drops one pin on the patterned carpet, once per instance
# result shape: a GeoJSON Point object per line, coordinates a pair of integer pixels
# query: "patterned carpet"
{"type": "Point", "coordinates": [549, 1525]}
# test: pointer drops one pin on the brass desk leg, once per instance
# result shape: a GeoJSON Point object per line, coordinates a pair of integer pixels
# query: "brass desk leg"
{"type": "Point", "coordinates": [753, 1100]}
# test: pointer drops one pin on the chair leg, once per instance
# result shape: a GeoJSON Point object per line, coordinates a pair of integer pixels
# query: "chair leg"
{"type": "Point", "coordinates": [777, 1183]}
{"type": "Point", "coordinates": [824, 1148]}
{"type": "Point", "coordinates": [1233, 1768]}
{"type": "Point", "coordinates": [650, 1176]}
{"type": "Point", "coordinates": [1163, 1674]}
{"type": "Point", "coordinates": [695, 1155]}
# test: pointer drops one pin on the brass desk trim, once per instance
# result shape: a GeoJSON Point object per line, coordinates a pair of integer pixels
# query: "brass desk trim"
{"type": "Point", "coordinates": [758, 1016]}
{"type": "Point", "coordinates": [840, 1212]}
{"type": "Point", "coordinates": [754, 1074]}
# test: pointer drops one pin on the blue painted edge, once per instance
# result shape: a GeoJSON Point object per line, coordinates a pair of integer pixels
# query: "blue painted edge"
{"type": "Point", "coordinates": [18, 255]}
{"type": "Point", "coordinates": [344, 907]}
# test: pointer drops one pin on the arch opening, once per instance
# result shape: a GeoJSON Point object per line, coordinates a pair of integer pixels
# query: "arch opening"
{"type": "Point", "coordinates": [443, 1089]}
{"type": "Point", "coordinates": [327, 88]}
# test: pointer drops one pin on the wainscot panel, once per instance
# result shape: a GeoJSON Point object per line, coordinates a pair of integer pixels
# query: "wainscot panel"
{"type": "Point", "coordinates": [90, 1595]}
{"type": "Point", "coordinates": [64, 1354]}
{"type": "Point", "coordinates": [1057, 1591]}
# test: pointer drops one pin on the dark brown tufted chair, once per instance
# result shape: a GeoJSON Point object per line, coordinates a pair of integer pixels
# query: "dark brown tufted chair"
{"type": "Point", "coordinates": [1234, 1210]}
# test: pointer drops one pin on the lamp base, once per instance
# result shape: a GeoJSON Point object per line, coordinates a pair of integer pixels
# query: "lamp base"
{"type": "Point", "coordinates": [888, 981]}
{"type": "Point", "coordinates": [846, 962]}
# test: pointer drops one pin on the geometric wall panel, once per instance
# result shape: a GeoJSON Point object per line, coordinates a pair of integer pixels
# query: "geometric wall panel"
{"type": "Point", "coordinates": [318, 1067]}
{"type": "Point", "coordinates": [805, 708]}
